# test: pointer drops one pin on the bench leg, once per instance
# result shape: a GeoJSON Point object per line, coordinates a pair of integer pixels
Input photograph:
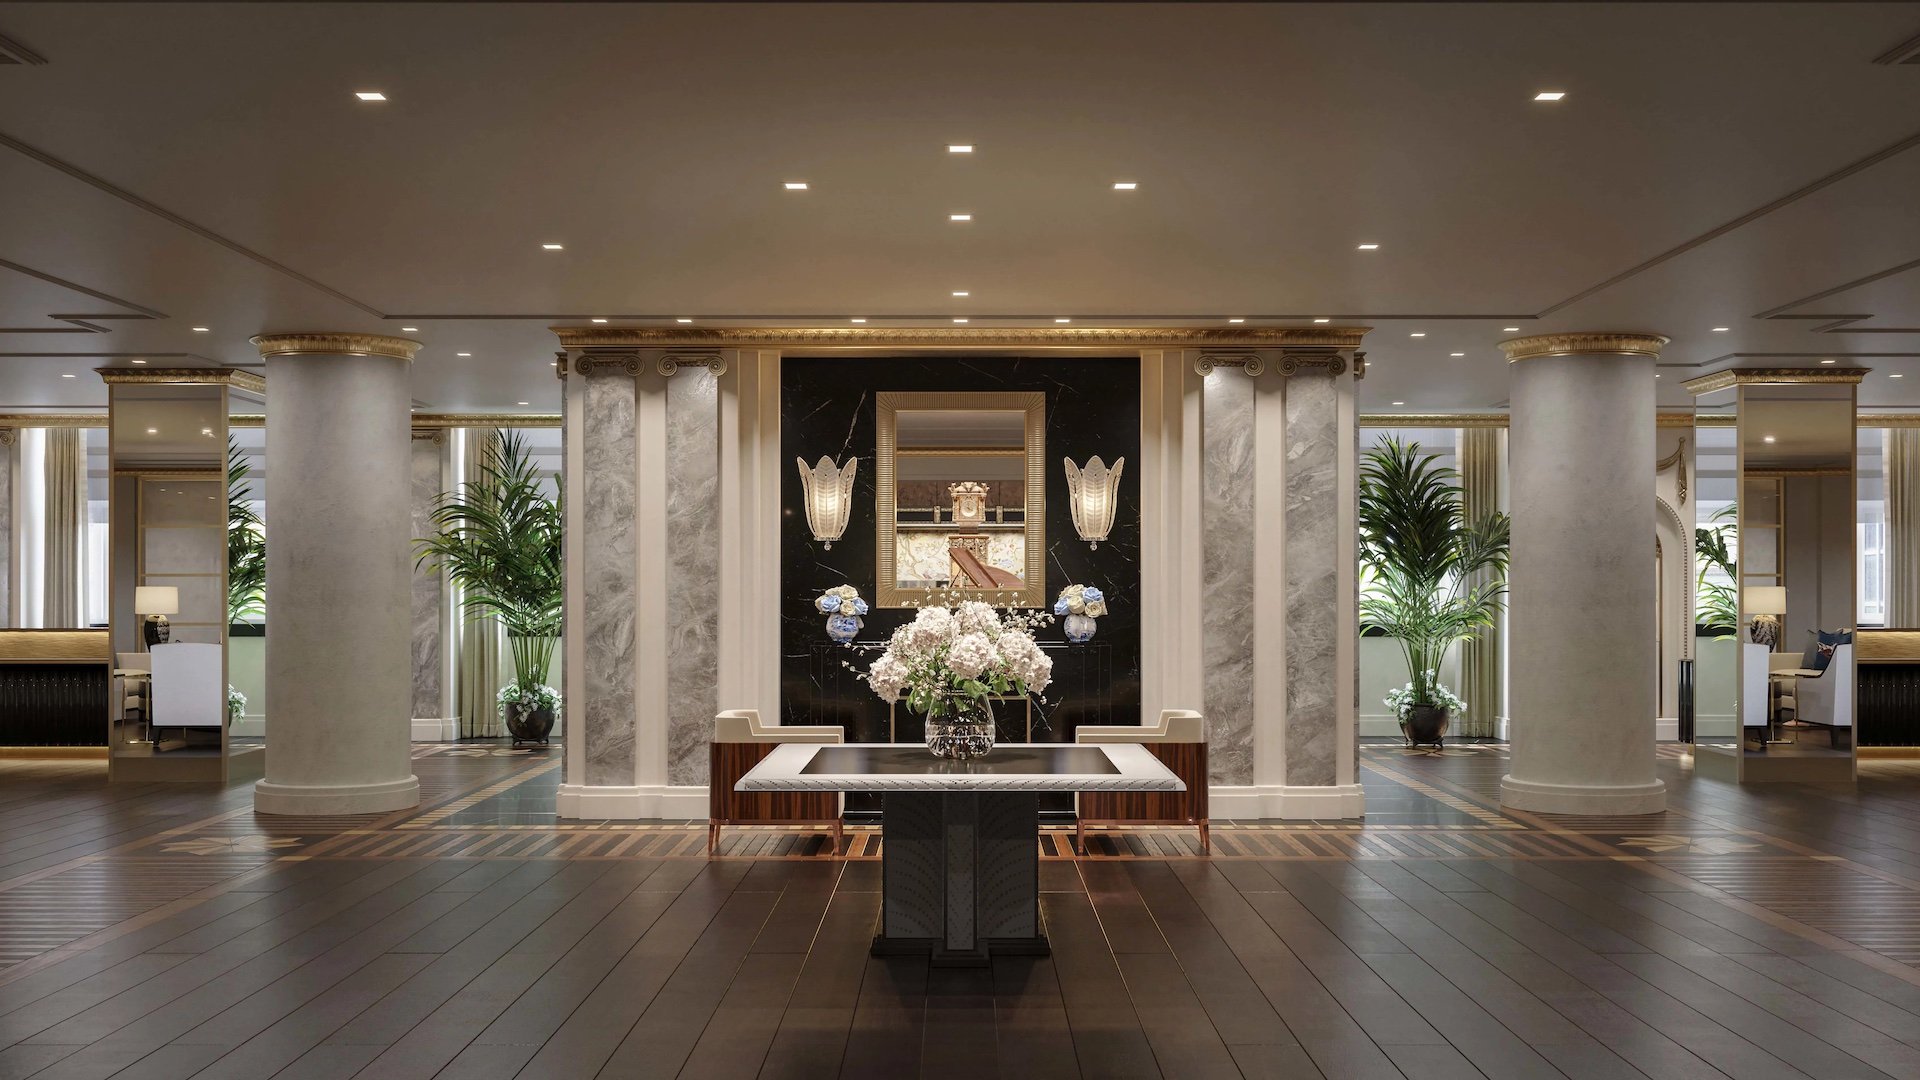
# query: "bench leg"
{"type": "Point", "coordinates": [1206, 838]}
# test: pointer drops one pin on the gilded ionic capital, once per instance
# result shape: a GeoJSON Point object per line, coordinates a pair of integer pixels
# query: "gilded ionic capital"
{"type": "Point", "coordinates": [335, 344]}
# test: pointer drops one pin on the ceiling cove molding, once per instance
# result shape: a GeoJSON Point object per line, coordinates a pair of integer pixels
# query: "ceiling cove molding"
{"type": "Point", "coordinates": [172, 218]}
{"type": "Point", "coordinates": [234, 377]}
{"type": "Point", "coordinates": [335, 344]}
{"type": "Point", "coordinates": [1839, 323]}
{"type": "Point", "coordinates": [77, 322]}
{"type": "Point", "coordinates": [12, 52]}
{"type": "Point", "coordinates": [1737, 356]}
{"type": "Point", "coordinates": [1598, 343]}
{"type": "Point", "coordinates": [1433, 420]}
{"type": "Point", "coordinates": [1721, 380]}
{"type": "Point", "coordinates": [425, 421]}
{"type": "Point", "coordinates": [864, 337]}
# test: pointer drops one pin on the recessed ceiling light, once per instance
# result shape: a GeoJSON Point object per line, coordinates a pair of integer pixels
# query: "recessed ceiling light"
{"type": "Point", "coordinates": [1399, 403]}
{"type": "Point", "coordinates": [1509, 329]}
{"type": "Point", "coordinates": [1719, 329]}
{"type": "Point", "coordinates": [68, 375]}
{"type": "Point", "coordinates": [1418, 333]}
{"type": "Point", "coordinates": [139, 361]}
{"type": "Point", "coordinates": [208, 432]}
{"type": "Point", "coordinates": [552, 247]}
{"type": "Point", "coordinates": [1890, 375]}
{"type": "Point", "coordinates": [683, 320]}
{"type": "Point", "coordinates": [523, 403]}
{"type": "Point", "coordinates": [959, 217]}
{"type": "Point", "coordinates": [369, 95]}
{"type": "Point", "coordinates": [959, 148]}
{"type": "Point", "coordinates": [1124, 185]}
{"type": "Point", "coordinates": [961, 292]}
{"type": "Point", "coordinates": [1550, 95]}
{"type": "Point", "coordinates": [154, 431]}
{"type": "Point", "coordinates": [1236, 320]}
{"type": "Point", "coordinates": [1369, 247]}
{"type": "Point", "coordinates": [795, 185]}
{"type": "Point", "coordinates": [1656, 374]}
{"type": "Point", "coordinates": [959, 320]}
{"type": "Point", "coordinates": [463, 354]}
{"type": "Point", "coordinates": [1063, 320]}
{"type": "Point", "coordinates": [1323, 320]}
{"type": "Point", "coordinates": [599, 320]}
{"type": "Point", "coordinates": [1829, 361]}
{"type": "Point", "coordinates": [856, 320]}
{"type": "Point", "coordinates": [1456, 354]}
{"type": "Point", "coordinates": [1766, 438]}
{"type": "Point", "coordinates": [409, 329]}
{"type": "Point", "coordinates": [202, 329]}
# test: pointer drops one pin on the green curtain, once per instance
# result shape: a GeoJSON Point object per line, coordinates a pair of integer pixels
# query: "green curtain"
{"type": "Point", "coordinates": [481, 640]}
{"type": "Point", "coordinates": [66, 525]}
{"type": "Point", "coordinates": [1480, 677]}
{"type": "Point", "coordinates": [1903, 527]}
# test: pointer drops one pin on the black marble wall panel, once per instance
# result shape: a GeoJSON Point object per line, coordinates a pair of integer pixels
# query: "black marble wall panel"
{"type": "Point", "coordinates": [827, 407]}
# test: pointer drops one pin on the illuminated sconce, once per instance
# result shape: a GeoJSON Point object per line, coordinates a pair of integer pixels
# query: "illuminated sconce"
{"type": "Point", "coordinates": [1093, 493]}
{"type": "Point", "coordinates": [829, 495]}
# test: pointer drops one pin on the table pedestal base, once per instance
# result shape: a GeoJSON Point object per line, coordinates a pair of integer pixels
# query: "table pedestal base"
{"type": "Point", "coordinates": [960, 876]}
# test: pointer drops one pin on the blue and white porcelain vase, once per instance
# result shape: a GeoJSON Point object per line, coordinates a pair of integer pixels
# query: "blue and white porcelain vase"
{"type": "Point", "coordinates": [843, 607]}
{"type": "Point", "coordinates": [1080, 628]}
{"type": "Point", "coordinates": [843, 628]}
{"type": "Point", "coordinates": [1079, 606]}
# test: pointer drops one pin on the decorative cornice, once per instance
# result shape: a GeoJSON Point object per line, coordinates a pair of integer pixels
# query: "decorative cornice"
{"type": "Point", "coordinates": [1434, 420]}
{"type": "Point", "coordinates": [1720, 380]}
{"type": "Point", "coordinates": [441, 421]}
{"type": "Point", "coordinates": [333, 344]}
{"type": "Point", "coordinates": [254, 420]}
{"type": "Point", "coordinates": [868, 337]}
{"type": "Point", "coordinates": [667, 364]}
{"type": "Point", "coordinates": [1674, 419]}
{"type": "Point", "coordinates": [7, 436]}
{"type": "Point", "coordinates": [81, 420]}
{"type": "Point", "coordinates": [436, 436]}
{"type": "Point", "coordinates": [1607, 343]}
{"type": "Point", "coordinates": [234, 377]}
{"type": "Point", "coordinates": [1288, 365]}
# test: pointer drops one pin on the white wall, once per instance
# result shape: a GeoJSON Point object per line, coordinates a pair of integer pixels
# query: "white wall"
{"type": "Point", "coordinates": [1383, 668]}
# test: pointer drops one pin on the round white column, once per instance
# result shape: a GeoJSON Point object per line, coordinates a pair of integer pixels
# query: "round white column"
{"type": "Point", "coordinates": [339, 575]}
{"type": "Point", "coordinates": [1583, 659]}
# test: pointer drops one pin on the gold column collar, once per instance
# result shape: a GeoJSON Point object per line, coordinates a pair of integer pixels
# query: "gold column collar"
{"type": "Point", "coordinates": [1604, 343]}
{"type": "Point", "coordinates": [323, 344]}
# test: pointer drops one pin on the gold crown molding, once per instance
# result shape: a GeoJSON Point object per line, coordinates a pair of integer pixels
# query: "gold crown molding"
{"type": "Point", "coordinates": [866, 337]}
{"type": "Point", "coordinates": [1288, 365]}
{"type": "Point", "coordinates": [1607, 343]}
{"type": "Point", "coordinates": [328, 344]}
{"type": "Point", "coordinates": [234, 377]}
{"type": "Point", "coordinates": [1434, 420]}
{"type": "Point", "coordinates": [1674, 419]}
{"type": "Point", "coordinates": [442, 421]}
{"type": "Point", "coordinates": [667, 364]}
{"type": "Point", "coordinates": [26, 420]}
{"type": "Point", "coordinates": [1721, 380]}
{"type": "Point", "coordinates": [215, 473]}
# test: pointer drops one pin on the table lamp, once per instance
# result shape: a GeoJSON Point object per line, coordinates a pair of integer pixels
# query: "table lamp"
{"type": "Point", "coordinates": [156, 602]}
{"type": "Point", "coordinates": [1765, 604]}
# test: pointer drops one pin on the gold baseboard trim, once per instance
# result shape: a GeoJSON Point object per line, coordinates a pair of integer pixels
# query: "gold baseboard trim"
{"type": "Point", "coordinates": [1888, 753]}
{"type": "Point", "coordinates": [54, 753]}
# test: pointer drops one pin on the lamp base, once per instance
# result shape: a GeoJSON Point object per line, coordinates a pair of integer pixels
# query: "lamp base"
{"type": "Point", "coordinates": [155, 630]}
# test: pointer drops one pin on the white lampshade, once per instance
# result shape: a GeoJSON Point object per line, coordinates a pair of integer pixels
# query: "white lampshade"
{"type": "Point", "coordinates": [156, 600]}
{"type": "Point", "coordinates": [1765, 599]}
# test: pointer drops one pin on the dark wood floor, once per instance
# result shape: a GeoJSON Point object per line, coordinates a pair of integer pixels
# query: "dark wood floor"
{"type": "Point", "coordinates": [151, 931]}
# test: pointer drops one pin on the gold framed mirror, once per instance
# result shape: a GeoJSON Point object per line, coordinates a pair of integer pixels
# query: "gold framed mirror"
{"type": "Point", "coordinates": [960, 484]}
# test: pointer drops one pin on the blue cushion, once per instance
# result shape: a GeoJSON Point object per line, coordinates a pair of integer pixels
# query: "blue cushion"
{"type": "Point", "coordinates": [1820, 650]}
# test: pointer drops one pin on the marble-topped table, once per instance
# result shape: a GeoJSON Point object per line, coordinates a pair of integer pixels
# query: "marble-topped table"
{"type": "Point", "coordinates": [960, 851]}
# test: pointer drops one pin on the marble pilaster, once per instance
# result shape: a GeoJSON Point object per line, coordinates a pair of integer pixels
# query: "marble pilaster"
{"type": "Point", "coordinates": [693, 571]}
{"type": "Point", "coordinates": [9, 439]}
{"type": "Point", "coordinates": [1312, 579]}
{"type": "Point", "coordinates": [1226, 574]}
{"type": "Point", "coordinates": [424, 468]}
{"type": "Point", "coordinates": [608, 497]}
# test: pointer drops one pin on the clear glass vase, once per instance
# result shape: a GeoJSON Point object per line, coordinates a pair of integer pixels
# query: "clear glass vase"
{"type": "Point", "coordinates": [960, 728]}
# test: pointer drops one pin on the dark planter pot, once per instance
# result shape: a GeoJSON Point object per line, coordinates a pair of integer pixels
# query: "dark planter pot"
{"type": "Point", "coordinates": [529, 726]}
{"type": "Point", "coordinates": [1426, 725]}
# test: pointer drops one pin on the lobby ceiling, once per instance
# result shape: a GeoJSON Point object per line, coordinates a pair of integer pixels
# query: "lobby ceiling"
{"type": "Point", "coordinates": [172, 166]}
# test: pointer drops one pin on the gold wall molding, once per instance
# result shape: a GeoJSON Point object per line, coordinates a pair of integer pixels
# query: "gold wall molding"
{"type": "Point", "coordinates": [871, 337]}
{"type": "Point", "coordinates": [441, 421]}
{"type": "Point", "coordinates": [26, 420]}
{"type": "Point", "coordinates": [234, 377]}
{"type": "Point", "coordinates": [1434, 420]}
{"type": "Point", "coordinates": [55, 645]}
{"type": "Point", "coordinates": [667, 364]}
{"type": "Point", "coordinates": [1287, 365]}
{"type": "Point", "coordinates": [1721, 380]}
{"type": "Point", "coordinates": [1600, 343]}
{"type": "Point", "coordinates": [336, 344]}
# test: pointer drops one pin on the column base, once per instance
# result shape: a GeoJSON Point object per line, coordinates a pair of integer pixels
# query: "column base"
{"type": "Point", "coordinates": [327, 800]}
{"type": "Point", "coordinates": [652, 802]}
{"type": "Point", "coordinates": [1289, 802]}
{"type": "Point", "coordinates": [1590, 799]}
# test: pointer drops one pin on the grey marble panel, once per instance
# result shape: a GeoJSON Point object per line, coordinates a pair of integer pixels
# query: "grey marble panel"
{"type": "Point", "coordinates": [424, 468]}
{"type": "Point", "coordinates": [1312, 634]}
{"type": "Point", "coordinates": [693, 571]}
{"type": "Point", "coordinates": [1226, 574]}
{"type": "Point", "coordinates": [607, 511]}
{"type": "Point", "coordinates": [6, 523]}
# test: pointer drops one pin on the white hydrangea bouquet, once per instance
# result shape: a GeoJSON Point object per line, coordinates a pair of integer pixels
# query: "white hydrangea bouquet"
{"type": "Point", "coordinates": [948, 663]}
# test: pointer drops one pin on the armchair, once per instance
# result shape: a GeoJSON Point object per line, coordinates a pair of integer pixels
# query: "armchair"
{"type": "Point", "coordinates": [740, 741]}
{"type": "Point", "coordinates": [1826, 699]}
{"type": "Point", "coordinates": [1179, 740]}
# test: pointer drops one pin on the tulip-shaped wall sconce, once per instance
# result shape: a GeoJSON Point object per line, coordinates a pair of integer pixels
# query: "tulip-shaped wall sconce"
{"type": "Point", "coordinates": [829, 495]}
{"type": "Point", "coordinates": [1093, 493]}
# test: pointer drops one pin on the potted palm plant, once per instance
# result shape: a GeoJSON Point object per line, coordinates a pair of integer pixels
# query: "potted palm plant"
{"type": "Point", "coordinates": [246, 545]}
{"type": "Point", "coordinates": [499, 541]}
{"type": "Point", "coordinates": [1430, 577]}
{"type": "Point", "coordinates": [1717, 612]}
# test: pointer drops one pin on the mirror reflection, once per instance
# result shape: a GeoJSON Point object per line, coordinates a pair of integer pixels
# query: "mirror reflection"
{"type": "Point", "coordinates": [960, 499]}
